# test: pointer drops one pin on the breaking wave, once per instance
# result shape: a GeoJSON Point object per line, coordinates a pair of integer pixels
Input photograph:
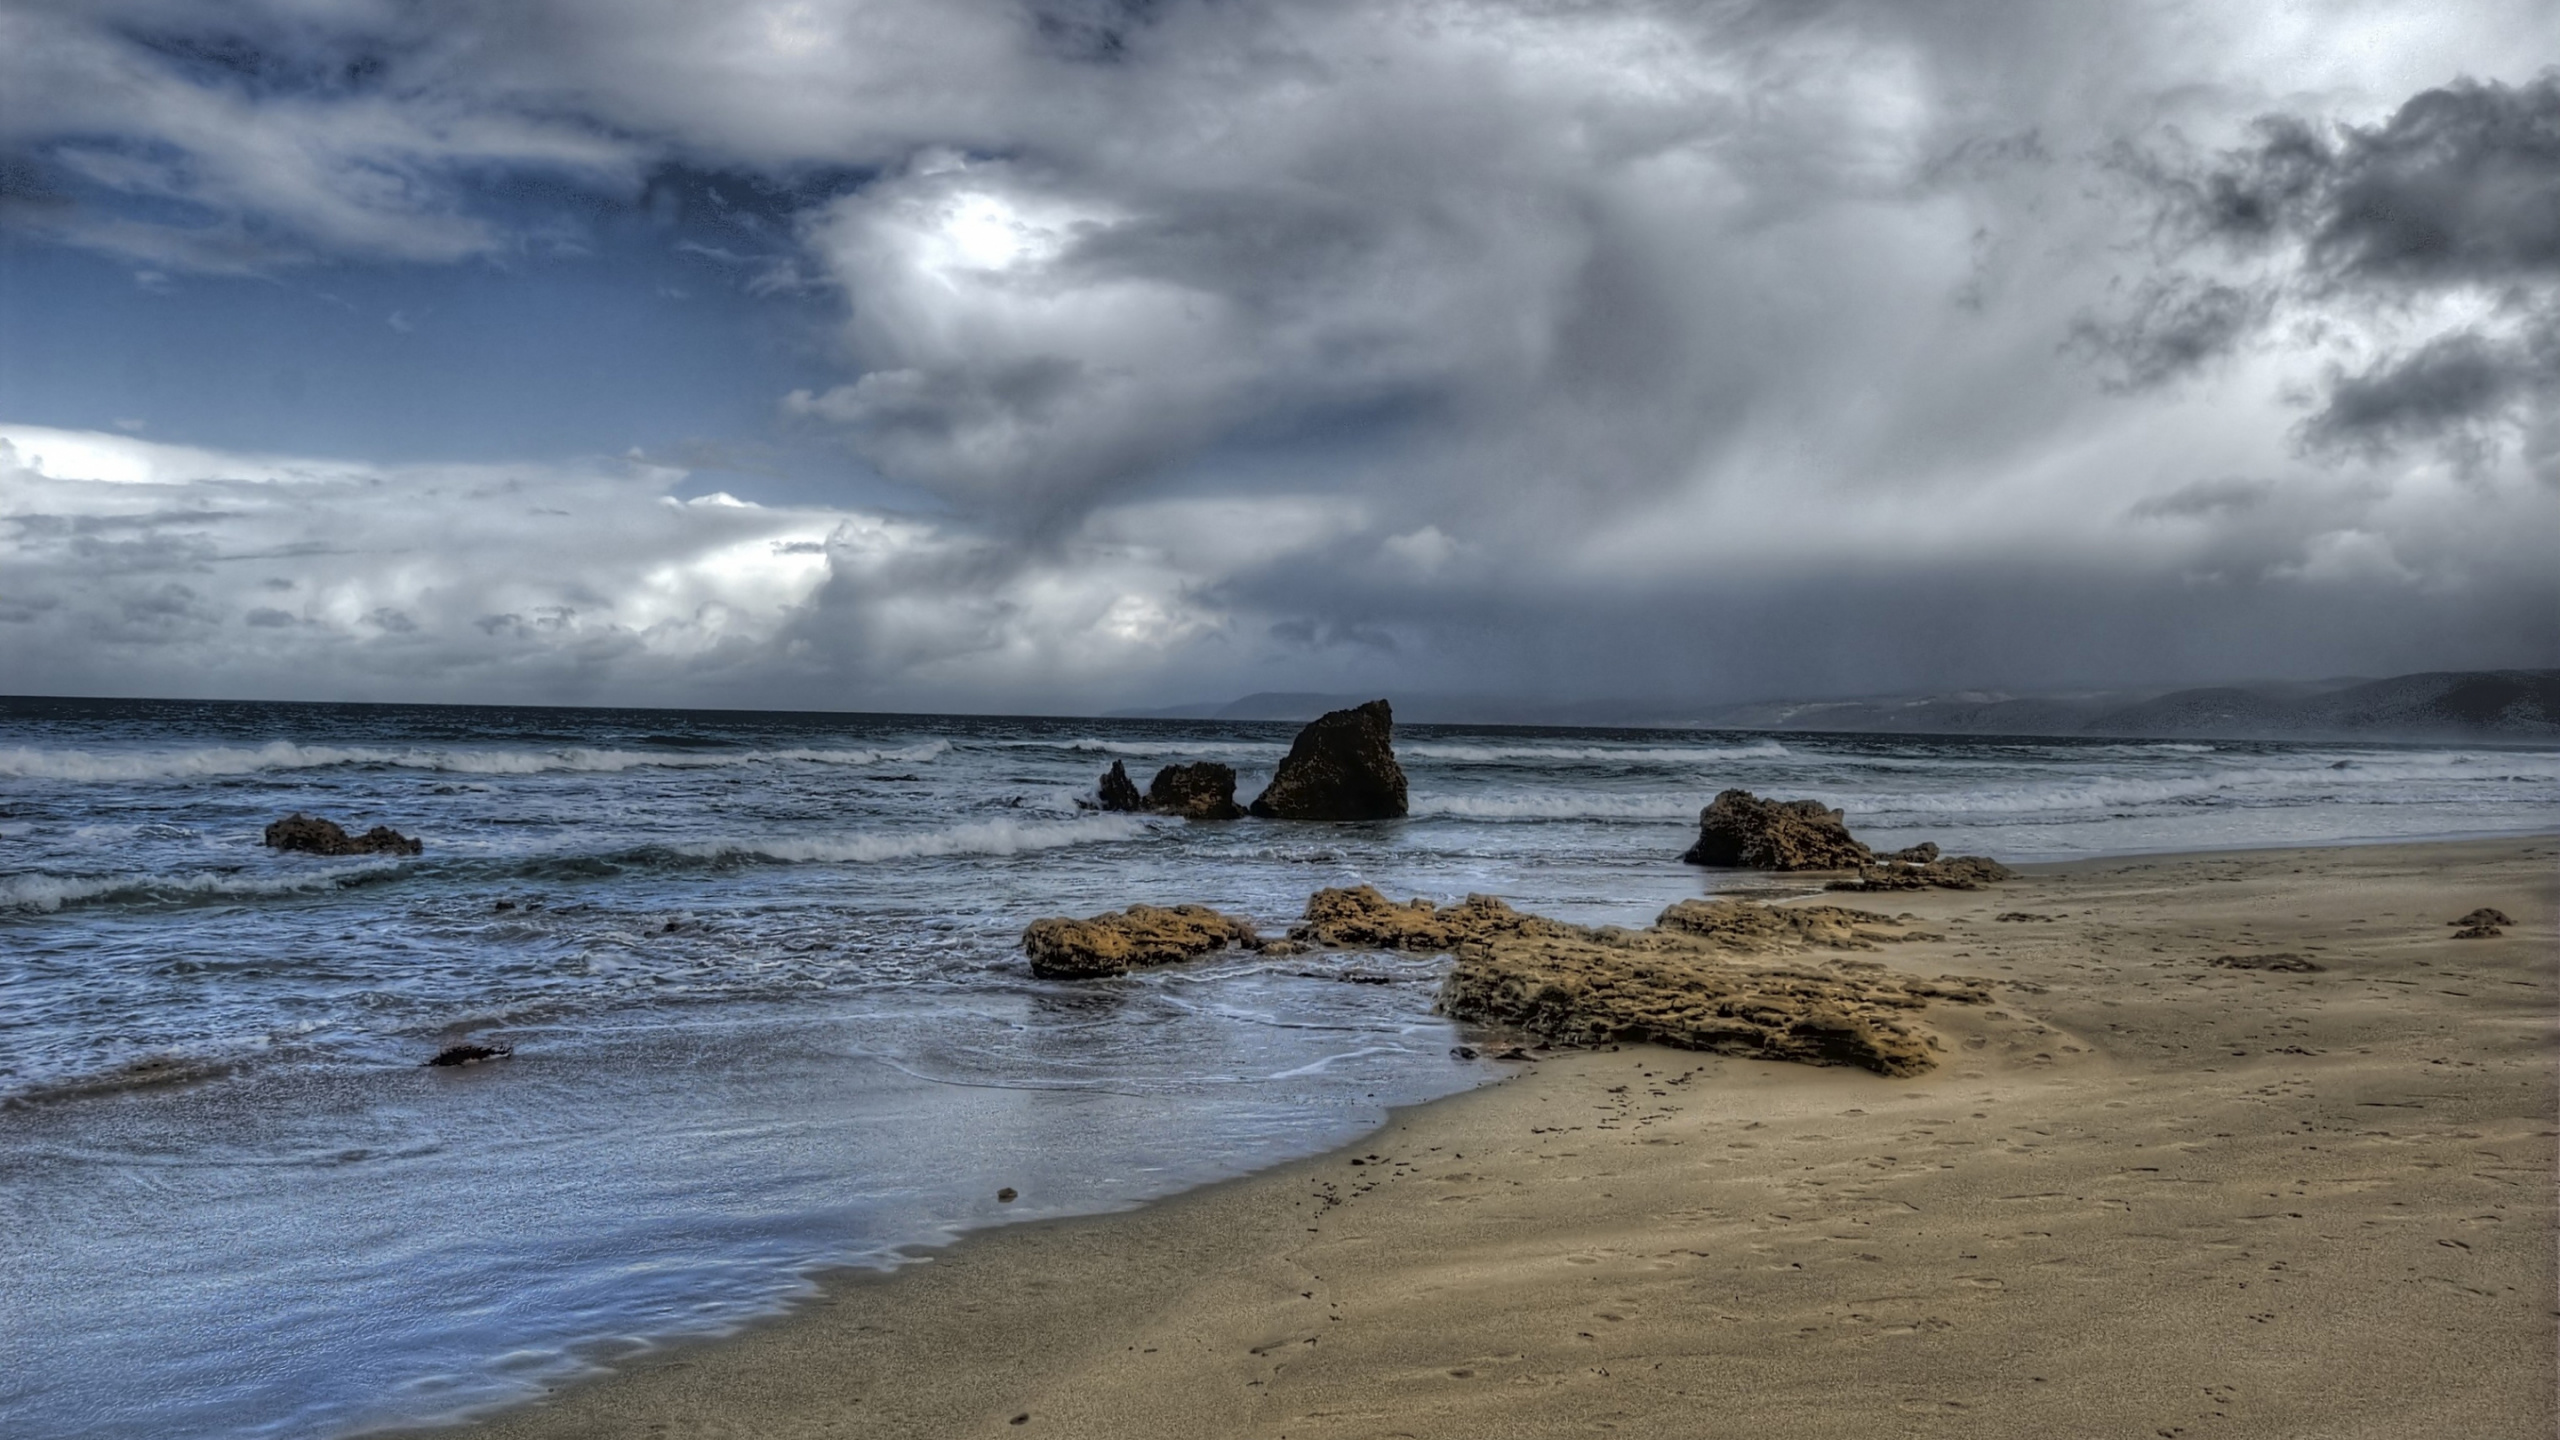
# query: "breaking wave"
{"type": "Point", "coordinates": [40, 892]}
{"type": "Point", "coordinates": [1586, 754]}
{"type": "Point", "coordinates": [1559, 807]}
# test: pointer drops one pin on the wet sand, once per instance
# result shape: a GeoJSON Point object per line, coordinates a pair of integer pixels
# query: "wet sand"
{"type": "Point", "coordinates": [2147, 1191]}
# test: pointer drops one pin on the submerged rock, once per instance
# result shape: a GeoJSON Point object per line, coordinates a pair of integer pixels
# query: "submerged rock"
{"type": "Point", "coordinates": [1688, 982]}
{"type": "Point", "coordinates": [1741, 830]}
{"type": "Point", "coordinates": [1202, 791]}
{"type": "Point", "coordinates": [326, 837]}
{"type": "Point", "coordinates": [1341, 767]}
{"type": "Point", "coordinates": [1119, 792]}
{"type": "Point", "coordinates": [467, 1053]}
{"type": "Point", "coordinates": [1133, 939]}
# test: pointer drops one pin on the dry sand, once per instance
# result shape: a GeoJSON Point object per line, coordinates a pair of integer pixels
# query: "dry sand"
{"type": "Point", "coordinates": [2145, 1194]}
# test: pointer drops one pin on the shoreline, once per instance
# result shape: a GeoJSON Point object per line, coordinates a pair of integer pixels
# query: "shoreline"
{"type": "Point", "coordinates": [1428, 1294]}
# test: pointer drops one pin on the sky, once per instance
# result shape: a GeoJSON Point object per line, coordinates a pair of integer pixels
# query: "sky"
{"type": "Point", "coordinates": [1069, 355]}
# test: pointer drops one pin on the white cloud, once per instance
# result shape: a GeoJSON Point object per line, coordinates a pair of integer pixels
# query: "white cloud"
{"type": "Point", "coordinates": [209, 573]}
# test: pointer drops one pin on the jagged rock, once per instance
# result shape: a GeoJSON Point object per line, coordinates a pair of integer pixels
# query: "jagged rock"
{"type": "Point", "coordinates": [1359, 918]}
{"type": "Point", "coordinates": [1920, 854]}
{"type": "Point", "coordinates": [326, 837]}
{"type": "Point", "coordinates": [1683, 983]}
{"type": "Point", "coordinates": [1119, 792]}
{"type": "Point", "coordinates": [1133, 939]}
{"type": "Point", "coordinates": [1203, 791]}
{"type": "Point", "coordinates": [1956, 872]}
{"type": "Point", "coordinates": [1740, 829]}
{"type": "Point", "coordinates": [1341, 767]}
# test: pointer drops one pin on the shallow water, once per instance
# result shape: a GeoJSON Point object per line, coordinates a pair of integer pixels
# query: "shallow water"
{"type": "Point", "coordinates": [761, 976]}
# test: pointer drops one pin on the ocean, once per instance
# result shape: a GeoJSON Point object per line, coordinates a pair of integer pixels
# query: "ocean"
{"type": "Point", "coordinates": [769, 1016]}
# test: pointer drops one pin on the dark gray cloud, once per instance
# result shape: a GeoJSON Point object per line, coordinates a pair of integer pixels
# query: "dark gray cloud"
{"type": "Point", "coordinates": [2458, 390]}
{"type": "Point", "coordinates": [2448, 211]}
{"type": "Point", "coordinates": [2461, 186]}
{"type": "Point", "coordinates": [2173, 326]}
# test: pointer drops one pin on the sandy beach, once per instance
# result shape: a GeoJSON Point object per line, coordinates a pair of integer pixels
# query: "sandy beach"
{"type": "Point", "coordinates": [2245, 1144]}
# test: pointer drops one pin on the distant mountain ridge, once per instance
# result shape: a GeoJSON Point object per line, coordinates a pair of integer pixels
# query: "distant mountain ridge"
{"type": "Point", "coordinates": [2511, 705]}
{"type": "Point", "coordinates": [2445, 704]}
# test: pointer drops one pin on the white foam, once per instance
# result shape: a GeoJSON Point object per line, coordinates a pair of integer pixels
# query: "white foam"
{"type": "Point", "coordinates": [1559, 807]}
{"type": "Point", "coordinates": [1621, 754]}
{"type": "Point", "coordinates": [282, 755]}
{"type": "Point", "coordinates": [982, 837]}
{"type": "Point", "coordinates": [2371, 780]}
{"type": "Point", "coordinates": [1170, 745]}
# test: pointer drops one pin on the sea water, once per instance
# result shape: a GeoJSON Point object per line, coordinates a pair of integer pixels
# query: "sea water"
{"type": "Point", "coordinates": [762, 979]}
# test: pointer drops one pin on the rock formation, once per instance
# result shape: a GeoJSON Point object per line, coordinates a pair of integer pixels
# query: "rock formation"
{"type": "Point", "coordinates": [1740, 829]}
{"type": "Point", "coordinates": [1341, 767]}
{"type": "Point", "coordinates": [1119, 792]}
{"type": "Point", "coordinates": [1133, 939]}
{"type": "Point", "coordinates": [2481, 924]}
{"type": "Point", "coordinates": [1731, 976]}
{"type": "Point", "coordinates": [1360, 918]}
{"type": "Point", "coordinates": [1689, 982]}
{"type": "Point", "coordinates": [1203, 791]}
{"type": "Point", "coordinates": [1955, 872]}
{"type": "Point", "coordinates": [326, 837]}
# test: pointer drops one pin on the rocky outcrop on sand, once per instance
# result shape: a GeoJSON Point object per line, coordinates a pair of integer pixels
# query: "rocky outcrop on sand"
{"type": "Point", "coordinates": [1205, 791]}
{"type": "Point", "coordinates": [1133, 939]}
{"type": "Point", "coordinates": [1702, 978]}
{"type": "Point", "coordinates": [1341, 767]}
{"type": "Point", "coordinates": [1731, 976]}
{"type": "Point", "coordinates": [326, 837]}
{"type": "Point", "coordinates": [1955, 872]}
{"type": "Point", "coordinates": [1739, 830]}
{"type": "Point", "coordinates": [2481, 924]}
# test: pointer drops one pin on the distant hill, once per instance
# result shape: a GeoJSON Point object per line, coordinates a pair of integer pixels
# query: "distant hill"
{"type": "Point", "coordinates": [2511, 705]}
{"type": "Point", "coordinates": [2521, 705]}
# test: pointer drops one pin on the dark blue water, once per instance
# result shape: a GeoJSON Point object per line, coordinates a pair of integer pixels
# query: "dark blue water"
{"type": "Point", "coordinates": [761, 976]}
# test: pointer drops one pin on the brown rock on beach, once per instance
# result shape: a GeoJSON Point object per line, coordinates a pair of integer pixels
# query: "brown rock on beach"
{"type": "Point", "coordinates": [1741, 830]}
{"type": "Point", "coordinates": [1133, 939]}
{"type": "Point", "coordinates": [1341, 767]}
{"type": "Point", "coordinates": [1685, 983]}
{"type": "Point", "coordinates": [1359, 918]}
{"type": "Point", "coordinates": [1955, 872]}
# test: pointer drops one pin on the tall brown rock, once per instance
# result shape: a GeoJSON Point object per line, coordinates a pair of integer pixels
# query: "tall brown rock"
{"type": "Point", "coordinates": [1341, 767]}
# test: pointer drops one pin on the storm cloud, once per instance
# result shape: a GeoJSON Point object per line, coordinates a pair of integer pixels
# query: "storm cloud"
{"type": "Point", "coordinates": [1676, 351]}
